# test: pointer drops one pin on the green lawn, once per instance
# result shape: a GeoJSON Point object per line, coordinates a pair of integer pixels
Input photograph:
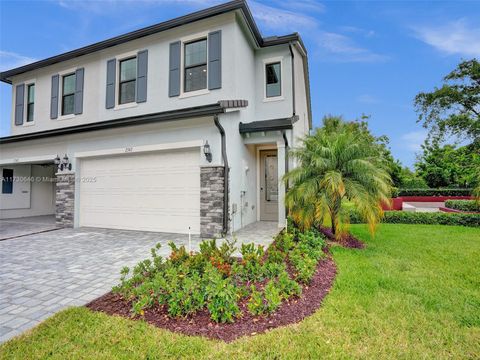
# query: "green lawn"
{"type": "Point", "coordinates": [414, 292]}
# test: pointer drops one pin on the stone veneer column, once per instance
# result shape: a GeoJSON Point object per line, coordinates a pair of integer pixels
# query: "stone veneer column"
{"type": "Point", "coordinates": [212, 182]}
{"type": "Point", "coordinates": [65, 199]}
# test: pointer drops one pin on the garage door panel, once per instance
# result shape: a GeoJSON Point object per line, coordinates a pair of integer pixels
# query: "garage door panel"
{"type": "Point", "coordinates": [155, 192]}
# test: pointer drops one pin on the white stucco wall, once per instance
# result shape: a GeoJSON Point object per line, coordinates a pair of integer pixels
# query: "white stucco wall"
{"type": "Point", "coordinates": [39, 196]}
{"type": "Point", "coordinates": [243, 77]}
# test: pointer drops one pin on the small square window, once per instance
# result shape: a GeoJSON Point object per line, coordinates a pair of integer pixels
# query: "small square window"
{"type": "Point", "coordinates": [68, 94]}
{"type": "Point", "coordinates": [30, 102]}
{"type": "Point", "coordinates": [7, 181]}
{"type": "Point", "coordinates": [128, 80]}
{"type": "Point", "coordinates": [195, 73]}
{"type": "Point", "coordinates": [273, 79]}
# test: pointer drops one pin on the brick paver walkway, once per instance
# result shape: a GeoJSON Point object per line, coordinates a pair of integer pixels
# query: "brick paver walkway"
{"type": "Point", "coordinates": [43, 273]}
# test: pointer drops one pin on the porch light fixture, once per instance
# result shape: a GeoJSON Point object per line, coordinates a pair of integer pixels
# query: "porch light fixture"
{"type": "Point", "coordinates": [207, 152]}
{"type": "Point", "coordinates": [65, 163]}
{"type": "Point", "coordinates": [56, 161]}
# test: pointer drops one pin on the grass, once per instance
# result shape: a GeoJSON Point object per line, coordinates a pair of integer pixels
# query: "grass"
{"type": "Point", "coordinates": [413, 292]}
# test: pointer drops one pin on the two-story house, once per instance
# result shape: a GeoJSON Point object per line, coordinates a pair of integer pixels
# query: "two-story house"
{"type": "Point", "coordinates": [180, 126]}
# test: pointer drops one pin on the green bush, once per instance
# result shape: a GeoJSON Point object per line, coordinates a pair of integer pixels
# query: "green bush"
{"type": "Point", "coordinates": [222, 297]}
{"type": "Point", "coordinates": [463, 205]}
{"type": "Point", "coordinates": [435, 192]}
{"type": "Point", "coordinates": [287, 286]}
{"type": "Point", "coordinates": [430, 218]}
{"type": "Point", "coordinates": [273, 299]}
{"type": "Point", "coordinates": [213, 279]}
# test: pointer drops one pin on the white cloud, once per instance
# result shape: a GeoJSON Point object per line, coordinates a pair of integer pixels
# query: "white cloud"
{"type": "Point", "coordinates": [356, 30]}
{"type": "Point", "coordinates": [413, 140]}
{"type": "Point", "coordinates": [367, 99]}
{"type": "Point", "coordinates": [281, 20]}
{"type": "Point", "coordinates": [106, 6]}
{"type": "Point", "coordinates": [456, 37]}
{"type": "Point", "coordinates": [10, 60]}
{"type": "Point", "coordinates": [341, 48]}
{"type": "Point", "coordinates": [304, 5]}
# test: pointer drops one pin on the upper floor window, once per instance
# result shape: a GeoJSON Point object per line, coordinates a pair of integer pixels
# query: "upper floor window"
{"type": "Point", "coordinates": [30, 102]}
{"type": "Point", "coordinates": [7, 181]}
{"type": "Point", "coordinates": [195, 65]}
{"type": "Point", "coordinates": [128, 80]}
{"type": "Point", "coordinates": [68, 94]}
{"type": "Point", "coordinates": [273, 79]}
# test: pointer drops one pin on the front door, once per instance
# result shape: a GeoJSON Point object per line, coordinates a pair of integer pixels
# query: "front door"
{"type": "Point", "coordinates": [268, 185]}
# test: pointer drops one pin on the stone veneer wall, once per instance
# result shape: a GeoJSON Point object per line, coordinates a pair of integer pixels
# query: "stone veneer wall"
{"type": "Point", "coordinates": [65, 199]}
{"type": "Point", "coordinates": [212, 182]}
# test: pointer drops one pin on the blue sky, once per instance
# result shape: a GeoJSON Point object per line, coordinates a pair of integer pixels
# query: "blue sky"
{"type": "Point", "coordinates": [365, 57]}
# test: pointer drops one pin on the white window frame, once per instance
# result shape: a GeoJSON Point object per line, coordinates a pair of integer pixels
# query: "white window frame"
{"type": "Point", "coordinates": [25, 102]}
{"type": "Point", "coordinates": [119, 58]}
{"type": "Point", "coordinates": [61, 74]}
{"type": "Point", "coordinates": [188, 39]}
{"type": "Point", "coordinates": [265, 62]}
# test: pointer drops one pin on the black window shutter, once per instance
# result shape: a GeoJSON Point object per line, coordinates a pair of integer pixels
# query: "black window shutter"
{"type": "Point", "coordinates": [142, 70]}
{"type": "Point", "coordinates": [110, 93]}
{"type": "Point", "coordinates": [54, 98]}
{"type": "Point", "coordinates": [19, 103]}
{"type": "Point", "coordinates": [174, 69]}
{"type": "Point", "coordinates": [215, 60]}
{"type": "Point", "coordinates": [79, 78]}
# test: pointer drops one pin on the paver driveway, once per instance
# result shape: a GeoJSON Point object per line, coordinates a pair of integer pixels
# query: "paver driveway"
{"type": "Point", "coordinates": [43, 273]}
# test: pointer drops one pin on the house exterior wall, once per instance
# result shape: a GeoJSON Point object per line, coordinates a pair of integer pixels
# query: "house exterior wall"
{"type": "Point", "coordinates": [243, 77]}
{"type": "Point", "coordinates": [38, 198]}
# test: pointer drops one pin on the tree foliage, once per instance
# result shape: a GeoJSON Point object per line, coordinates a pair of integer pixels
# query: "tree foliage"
{"type": "Point", "coordinates": [338, 162]}
{"type": "Point", "coordinates": [454, 108]}
{"type": "Point", "coordinates": [449, 166]}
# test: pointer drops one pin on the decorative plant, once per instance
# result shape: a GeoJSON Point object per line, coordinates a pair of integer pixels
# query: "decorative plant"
{"type": "Point", "coordinates": [337, 164]}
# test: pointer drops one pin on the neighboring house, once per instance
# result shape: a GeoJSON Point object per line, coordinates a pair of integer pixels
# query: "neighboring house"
{"type": "Point", "coordinates": [149, 122]}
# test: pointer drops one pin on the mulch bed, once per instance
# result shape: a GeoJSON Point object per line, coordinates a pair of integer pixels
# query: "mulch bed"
{"type": "Point", "coordinates": [348, 241]}
{"type": "Point", "coordinates": [200, 324]}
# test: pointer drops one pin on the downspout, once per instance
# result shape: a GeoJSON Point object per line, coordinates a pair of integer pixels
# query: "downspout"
{"type": "Point", "coordinates": [293, 78]}
{"type": "Point", "coordinates": [225, 174]}
{"type": "Point", "coordinates": [293, 115]}
{"type": "Point", "coordinates": [286, 165]}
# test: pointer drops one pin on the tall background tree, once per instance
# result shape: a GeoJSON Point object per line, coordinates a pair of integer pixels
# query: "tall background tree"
{"type": "Point", "coordinates": [454, 108]}
{"type": "Point", "coordinates": [452, 111]}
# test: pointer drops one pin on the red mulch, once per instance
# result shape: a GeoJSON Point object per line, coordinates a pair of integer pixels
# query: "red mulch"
{"type": "Point", "coordinates": [348, 241]}
{"type": "Point", "coordinates": [200, 324]}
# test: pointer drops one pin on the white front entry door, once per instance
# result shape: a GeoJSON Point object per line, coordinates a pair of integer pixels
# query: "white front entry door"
{"type": "Point", "coordinates": [268, 185]}
{"type": "Point", "coordinates": [157, 191]}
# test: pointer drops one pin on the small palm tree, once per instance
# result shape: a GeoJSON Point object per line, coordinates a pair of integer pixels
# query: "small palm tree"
{"type": "Point", "coordinates": [334, 167]}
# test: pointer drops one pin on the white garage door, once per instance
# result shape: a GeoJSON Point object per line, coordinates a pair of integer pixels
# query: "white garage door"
{"type": "Point", "coordinates": [150, 192]}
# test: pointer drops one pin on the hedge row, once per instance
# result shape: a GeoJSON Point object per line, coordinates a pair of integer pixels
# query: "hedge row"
{"type": "Point", "coordinates": [434, 192]}
{"type": "Point", "coordinates": [430, 218]}
{"type": "Point", "coordinates": [463, 205]}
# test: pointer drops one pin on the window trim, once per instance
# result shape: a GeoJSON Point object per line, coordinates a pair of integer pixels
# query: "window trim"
{"type": "Point", "coordinates": [61, 74]}
{"type": "Point", "coordinates": [11, 181]}
{"type": "Point", "coordinates": [197, 65]}
{"type": "Point", "coordinates": [29, 122]}
{"type": "Point", "coordinates": [265, 62]}
{"type": "Point", "coordinates": [69, 94]}
{"type": "Point", "coordinates": [119, 58]}
{"type": "Point", "coordinates": [119, 63]}
{"type": "Point", "coordinates": [183, 41]}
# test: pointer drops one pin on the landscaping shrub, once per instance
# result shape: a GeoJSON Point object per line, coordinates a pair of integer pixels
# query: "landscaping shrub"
{"type": "Point", "coordinates": [214, 280]}
{"type": "Point", "coordinates": [463, 205]}
{"type": "Point", "coordinates": [435, 192]}
{"type": "Point", "coordinates": [430, 218]}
